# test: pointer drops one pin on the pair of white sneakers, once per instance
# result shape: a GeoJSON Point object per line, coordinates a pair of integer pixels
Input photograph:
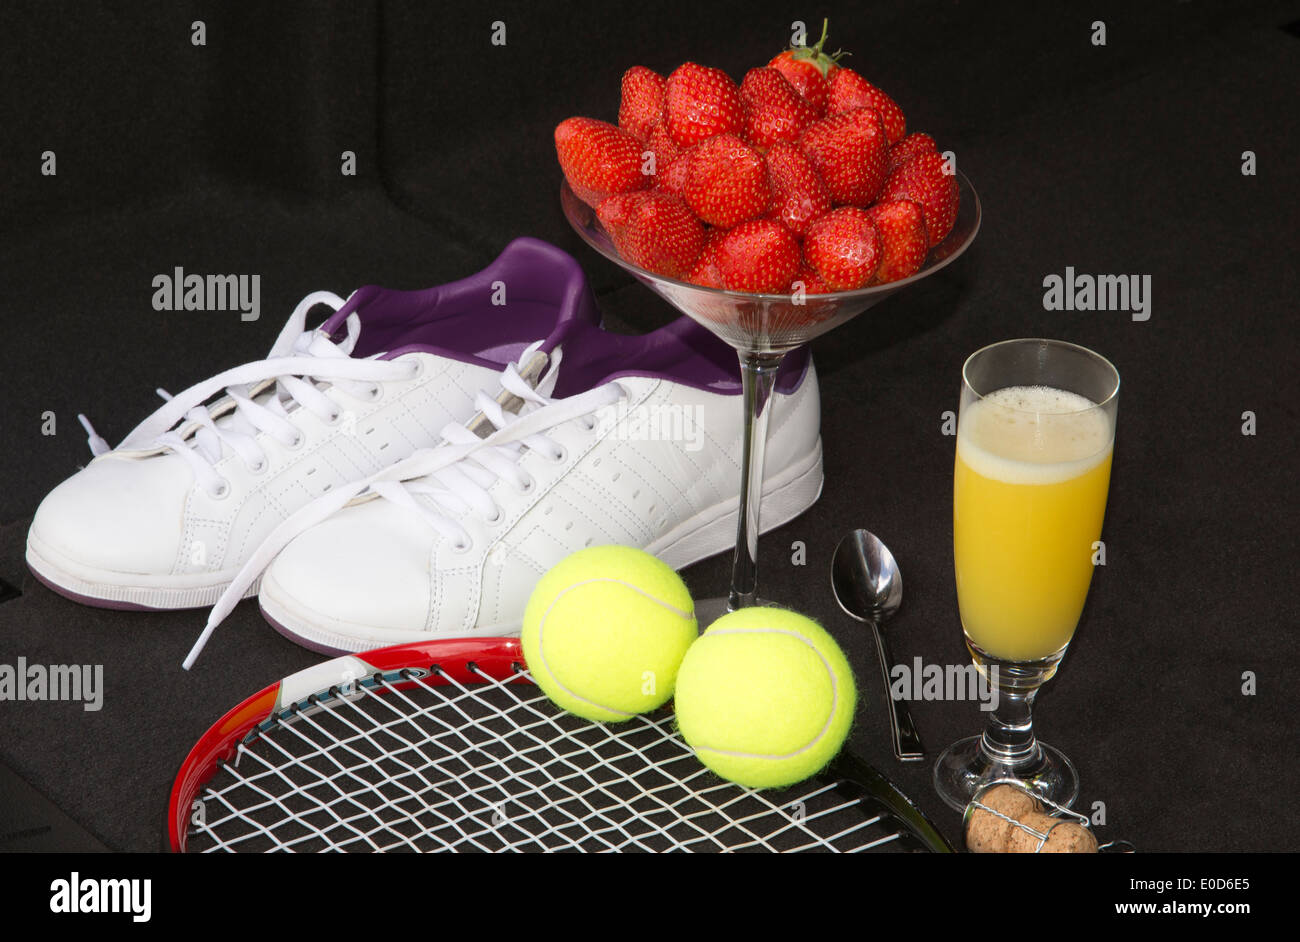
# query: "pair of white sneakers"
{"type": "Point", "coordinates": [411, 468]}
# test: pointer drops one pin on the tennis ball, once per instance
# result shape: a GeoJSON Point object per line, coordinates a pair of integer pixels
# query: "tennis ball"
{"type": "Point", "coordinates": [605, 631]}
{"type": "Point", "coordinates": [765, 697]}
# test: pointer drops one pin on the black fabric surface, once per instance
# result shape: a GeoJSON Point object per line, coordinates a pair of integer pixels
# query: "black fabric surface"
{"type": "Point", "coordinates": [1117, 159]}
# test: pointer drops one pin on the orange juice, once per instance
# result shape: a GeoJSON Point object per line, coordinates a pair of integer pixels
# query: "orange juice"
{"type": "Point", "coordinates": [1029, 494]}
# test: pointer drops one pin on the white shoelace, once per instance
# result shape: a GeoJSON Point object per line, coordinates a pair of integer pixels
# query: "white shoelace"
{"type": "Point", "coordinates": [259, 397]}
{"type": "Point", "coordinates": [443, 482]}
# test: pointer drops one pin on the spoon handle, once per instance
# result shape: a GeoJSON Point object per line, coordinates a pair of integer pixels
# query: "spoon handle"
{"type": "Point", "coordinates": [907, 741]}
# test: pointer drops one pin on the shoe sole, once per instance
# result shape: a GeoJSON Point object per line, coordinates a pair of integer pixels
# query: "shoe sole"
{"type": "Point", "coordinates": [708, 533]}
{"type": "Point", "coordinates": [100, 589]}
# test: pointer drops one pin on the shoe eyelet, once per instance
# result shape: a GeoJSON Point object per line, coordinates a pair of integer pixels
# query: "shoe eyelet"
{"type": "Point", "coordinates": [221, 492]}
{"type": "Point", "coordinates": [417, 368]}
{"type": "Point", "coordinates": [589, 423]}
{"type": "Point", "coordinates": [258, 467]}
{"type": "Point", "coordinates": [561, 455]}
{"type": "Point", "coordinates": [336, 418]}
{"type": "Point", "coordinates": [463, 546]}
{"type": "Point", "coordinates": [495, 518]}
{"type": "Point", "coordinates": [298, 441]}
{"type": "Point", "coordinates": [375, 393]}
{"type": "Point", "coordinates": [527, 486]}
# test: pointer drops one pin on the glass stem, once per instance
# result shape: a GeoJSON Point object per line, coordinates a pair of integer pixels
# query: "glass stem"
{"type": "Point", "coordinates": [1009, 736]}
{"type": "Point", "coordinates": [758, 379]}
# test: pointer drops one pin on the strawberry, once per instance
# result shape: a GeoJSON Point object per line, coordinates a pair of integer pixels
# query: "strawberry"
{"type": "Point", "coordinates": [700, 102]}
{"type": "Point", "coordinates": [849, 91]}
{"type": "Point", "coordinates": [903, 242]}
{"type": "Point", "coordinates": [661, 144]}
{"type": "Point", "coordinates": [844, 247]}
{"type": "Point", "coordinates": [672, 178]}
{"type": "Point", "coordinates": [925, 179]}
{"type": "Point", "coordinates": [848, 151]}
{"type": "Point", "coordinates": [642, 104]}
{"type": "Point", "coordinates": [760, 256]}
{"type": "Point", "coordinates": [774, 109]}
{"type": "Point", "coordinates": [726, 183]}
{"type": "Point", "coordinates": [915, 143]}
{"type": "Point", "coordinates": [706, 273]}
{"type": "Point", "coordinates": [807, 69]}
{"type": "Point", "coordinates": [812, 282]}
{"type": "Point", "coordinates": [598, 159]}
{"type": "Point", "coordinates": [798, 192]}
{"type": "Point", "coordinates": [654, 230]}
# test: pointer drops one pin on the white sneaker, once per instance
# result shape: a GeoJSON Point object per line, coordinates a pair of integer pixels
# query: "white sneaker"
{"type": "Point", "coordinates": [167, 519]}
{"type": "Point", "coordinates": [628, 440]}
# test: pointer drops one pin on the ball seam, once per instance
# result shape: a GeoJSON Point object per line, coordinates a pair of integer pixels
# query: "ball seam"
{"type": "Point", "coordinates": [835, 696]}
{"type": "Point", "coordinates": [541, 630]}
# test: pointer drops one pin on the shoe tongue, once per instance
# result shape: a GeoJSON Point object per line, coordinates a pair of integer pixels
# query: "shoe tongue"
{"type": "Point", "coordinates": [336, 321]}
{"type": "Point", "coordinates": [530, 372]}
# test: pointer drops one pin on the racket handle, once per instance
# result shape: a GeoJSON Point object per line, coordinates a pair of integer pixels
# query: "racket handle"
{"type": "Point", "coordinates": [1007, 820]}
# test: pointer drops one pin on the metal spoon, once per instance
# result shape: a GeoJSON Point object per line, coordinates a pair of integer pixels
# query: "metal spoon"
{"type": "Point", "coordinates": [869, 586]}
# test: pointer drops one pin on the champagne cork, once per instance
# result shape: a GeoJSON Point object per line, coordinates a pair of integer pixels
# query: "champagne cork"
{"type": "Point", "coordinates": [1070, 837]}
{"type": "Point", "coordinates": [988, 833]}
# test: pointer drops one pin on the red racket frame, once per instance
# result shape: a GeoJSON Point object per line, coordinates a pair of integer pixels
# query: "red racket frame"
{"type": "Point", "coordinates": [499, 658]}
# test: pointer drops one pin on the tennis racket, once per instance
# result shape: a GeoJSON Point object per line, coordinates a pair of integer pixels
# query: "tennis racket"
{"type": "Point", "coordinates": [448, 745]}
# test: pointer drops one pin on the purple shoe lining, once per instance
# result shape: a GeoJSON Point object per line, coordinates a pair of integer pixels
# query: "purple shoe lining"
{"type": "Point", "coordinates": [682, 351]}
{"type": "Point", "coordinates": [547, 296]}
{"type": "Point", "coordinates": [544, 289]}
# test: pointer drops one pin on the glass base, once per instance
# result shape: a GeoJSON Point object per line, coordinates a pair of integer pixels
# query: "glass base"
{"type": "Point", "coordinates": [966, 766]}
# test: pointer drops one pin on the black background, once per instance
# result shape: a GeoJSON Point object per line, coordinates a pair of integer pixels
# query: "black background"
{"type": "Point", "coordinates": [1120, 159]}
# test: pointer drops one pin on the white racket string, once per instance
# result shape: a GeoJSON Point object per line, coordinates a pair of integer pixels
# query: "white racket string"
{"type": "Point", "coordinates": [399, 763]}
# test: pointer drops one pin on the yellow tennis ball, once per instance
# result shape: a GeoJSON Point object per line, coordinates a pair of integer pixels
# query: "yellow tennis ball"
{"type": "Point", "coordinates": [765, 697]}
{"type": "Point", "coordinates": [605, 631]}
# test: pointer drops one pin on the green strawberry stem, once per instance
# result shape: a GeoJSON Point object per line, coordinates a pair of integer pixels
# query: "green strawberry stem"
{"type": "Point", "coordinates": [814, 54]}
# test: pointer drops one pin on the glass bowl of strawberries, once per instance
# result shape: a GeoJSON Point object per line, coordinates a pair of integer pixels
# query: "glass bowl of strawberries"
{"type": "Point", "coordinates": [770, 212]}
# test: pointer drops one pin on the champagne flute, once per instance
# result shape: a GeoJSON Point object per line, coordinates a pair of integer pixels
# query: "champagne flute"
{"type": "Point", "coordinates": [1035, 436]}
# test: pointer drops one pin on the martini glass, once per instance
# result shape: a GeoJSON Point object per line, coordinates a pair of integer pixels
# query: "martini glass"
{"type": "Point", "coordinates": [763, 328]}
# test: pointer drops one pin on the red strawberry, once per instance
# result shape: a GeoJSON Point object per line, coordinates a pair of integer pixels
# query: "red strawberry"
{"type": "Point", "coordinates": [849, 91]}
{"type": "Point", "coordinates": [903, 243]}
{"type": "Point", "coordinates": [807, 69]}
{"type": "Point", "coordinates": [915, 143]}
{"type": "Point", "coordinates": [727, 182]}
{"type": "Point", "coordinates": [844, 247]}
{"type": "Point", "coordinates": [661, 144]}
{"type": "Point", "coordinates": [813, 283]}
{"type": "Point", "coordinates": [706, 273]}
{"type": "Point", "coordinates": [760, 256]}
{"type": "Point", "coordinates": [774, 109]}
{"type": "Point", "coordinates": [848, 150]}
{"type": "Point", "coordinates": [700, 102]}
{"type": "Point", "coordinates": [598, 159]}
{"type": "Point", "coordinates": [798, 192]}
{"type": "Point", "coordinates": [642, 104]}
{"type": "Point", "coordinates": [925, 179]}
{"type": "Point", "coordinates": [673, 176]}
{"type": "Point", "coordinates": [654, 230]}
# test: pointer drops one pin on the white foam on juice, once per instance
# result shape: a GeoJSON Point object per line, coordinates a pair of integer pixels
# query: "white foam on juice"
{"type": "Point", "coordinates": [1033, 435]}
